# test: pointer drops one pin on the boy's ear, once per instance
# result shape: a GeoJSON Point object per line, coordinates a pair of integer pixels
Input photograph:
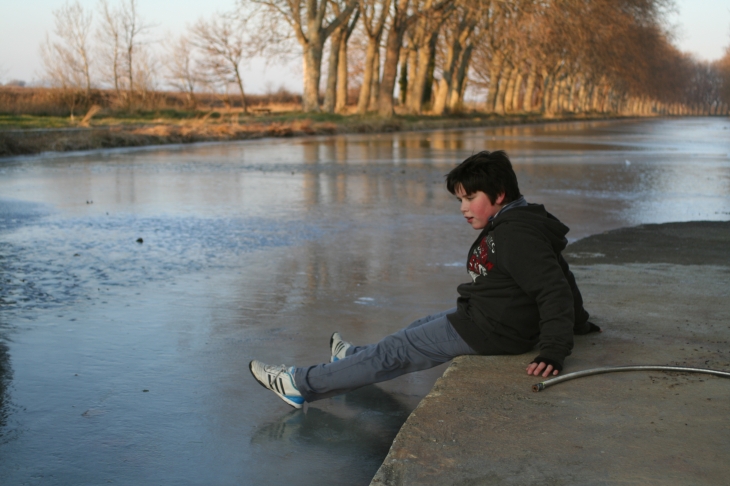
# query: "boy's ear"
{"type": "Point", "coordinates": [500, 200]}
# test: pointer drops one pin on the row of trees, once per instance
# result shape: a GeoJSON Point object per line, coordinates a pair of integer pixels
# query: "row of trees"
{"type": "Point", "coordinates": [548, 56]}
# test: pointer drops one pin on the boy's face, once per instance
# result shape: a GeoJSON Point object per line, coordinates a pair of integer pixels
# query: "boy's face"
{"type": "Point", "coordinates": [477, 208]}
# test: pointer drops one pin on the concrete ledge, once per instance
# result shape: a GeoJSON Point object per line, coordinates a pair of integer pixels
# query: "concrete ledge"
{"type": "Point", "coordinates": [482, 424]}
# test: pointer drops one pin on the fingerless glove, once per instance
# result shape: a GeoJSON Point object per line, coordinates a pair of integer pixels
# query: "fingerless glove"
{"type": "Point", "coordinates": [548, 361]}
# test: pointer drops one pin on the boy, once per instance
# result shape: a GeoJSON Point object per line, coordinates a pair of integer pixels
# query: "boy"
{"type": "Point", "coordinates": [522, 293]}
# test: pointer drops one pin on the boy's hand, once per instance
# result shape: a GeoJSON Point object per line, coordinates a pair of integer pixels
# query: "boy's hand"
{"type": "Point", "coordinates": [541, 368]}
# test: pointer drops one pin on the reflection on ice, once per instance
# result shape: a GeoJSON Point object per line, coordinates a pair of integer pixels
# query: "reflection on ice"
{"type": "Point", "coordinates": [360, 425]}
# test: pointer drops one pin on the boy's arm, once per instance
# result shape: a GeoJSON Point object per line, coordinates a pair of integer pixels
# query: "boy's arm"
{"type": "Point", "coordinates": [531, 261]}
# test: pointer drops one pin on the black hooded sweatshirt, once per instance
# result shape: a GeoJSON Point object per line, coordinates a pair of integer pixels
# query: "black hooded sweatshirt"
{"type": "Point", "coordinates": [522, 292]}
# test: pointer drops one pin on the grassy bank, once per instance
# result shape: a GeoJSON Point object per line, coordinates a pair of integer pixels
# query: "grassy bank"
{"type": "Point", "coordinates": [26, 134]}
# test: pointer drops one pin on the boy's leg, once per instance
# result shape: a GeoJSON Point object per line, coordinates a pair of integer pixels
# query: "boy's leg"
{"type": "Point", "coordinates": [412, 349]}
{"type": "Point", "coordinates": [416, 323]}
{"type": "Point", "coordinates": [432, 317]}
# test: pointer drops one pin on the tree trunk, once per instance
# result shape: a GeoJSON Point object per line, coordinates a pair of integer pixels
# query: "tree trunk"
{"type": "Point", "coordinates": [516, 91]}
{"type": "Point", "coordinates": [239, 82]}
{"type": "Point", "coordinates": [375, 82]}
{"type": "Point", "coordinates": [445, 83]}
{"type": "Point", "coordinates": [506, 77]}
{"type": "Point", "coordinates": [595, 93]}
{"type": "Point", "coordinates": [330, 94]}
{"type": "Point", "coordinates": [341, 97]}
{"type": "Point", "coordinates": [392, 54]}
{"type": "Point", "coordinates": [412, 62]}
{"type": "Point", "coordinates": [442, 93]}
{"type": "Point", "coordinates": [424, 40]}
{"type": "Point", "coordinates": [87, 74]}
{"type": "Point", "coordinates": [130, 75]}
{"type": "Point", "coordinates": [508, 90]}
{"type": "Point", "coordinates": [547, 92]}
{"type": "Point", "coordinates": [403, 81]}
{"type": "Point", "coordinates": [458, 86]}
{"type": "Point", "coordinates": [425, 56]}
{"type": "Point", "coordinates": [342, 74]}
{"type": "Point", "coordinates": [569, 96]}
{"type": "Point", "coordinates": [529, 88]}
{"type": "Point", "coordinates": [430, 68]}
{"type": "Point", "coordinates": [495, 70]}
{"type": "Point", "coordinates": [581, 101]}
{"type": "Point", "coordinates": [367, 78]}
{"type": "Point", "coordinates": [537, 93]}
{"type": "Point", "coordinates": [312, 73]}
{"type": "Point", "coordinates": [560, 95]}
{"type": "Point", "coordinates": [115, 70]}
{"type": "Point", "coordinates": [590, 90]}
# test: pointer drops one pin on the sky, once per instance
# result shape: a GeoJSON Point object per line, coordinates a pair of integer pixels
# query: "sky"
{"type": "Point", "coordinates": [702, 28]}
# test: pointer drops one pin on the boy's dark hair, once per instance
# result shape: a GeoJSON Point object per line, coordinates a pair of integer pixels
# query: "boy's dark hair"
{"type": "Point", "coordinates": [489, 172]}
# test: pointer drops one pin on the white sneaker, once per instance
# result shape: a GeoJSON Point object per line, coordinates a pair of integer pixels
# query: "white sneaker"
{"type": "Point", "coordinates": [279, 380]}
{"type": "Point", "coordinates": [338, 346]}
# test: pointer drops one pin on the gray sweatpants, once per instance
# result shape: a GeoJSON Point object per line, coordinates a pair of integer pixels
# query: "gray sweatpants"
{"type": "Point", "coordinates": [426, 343]}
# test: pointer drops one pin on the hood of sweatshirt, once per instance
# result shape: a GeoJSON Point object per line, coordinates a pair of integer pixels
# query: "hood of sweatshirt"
{"type": "Point", "coordinates": [536, 217]}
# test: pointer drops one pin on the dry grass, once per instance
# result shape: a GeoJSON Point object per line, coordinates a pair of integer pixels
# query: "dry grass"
{"type": "Point", "coordinates": [89, 114]}
{"type": "Point", "coordinates": [58, 102]}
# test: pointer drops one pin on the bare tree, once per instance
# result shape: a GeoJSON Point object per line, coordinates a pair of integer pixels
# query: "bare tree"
{"type": "Point", "coordinates": [224, 46]}
{"type": "Point", "coordinates": [183, 69]}
{"type": "Point", "coordinates": [132, 28]}
{"type": "Point", "coordinates": [66, 60]}
{"type": "Point", "coordinates": [122, 48]}
{"type": "Point", "coordinates": [145, 76]}
{"type": "Point", "coordinates": [308, 19]}
{"type": "Point", "coordinates": [109, 38]}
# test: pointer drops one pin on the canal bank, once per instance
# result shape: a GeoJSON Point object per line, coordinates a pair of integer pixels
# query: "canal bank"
{"type": "Point", "coordinates": [661, 295]}
{"type": "Point", "coordinates": [19, 140]}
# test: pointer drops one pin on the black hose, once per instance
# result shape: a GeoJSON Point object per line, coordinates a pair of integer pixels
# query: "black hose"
{"type": "Point", "coordinates": [610, 369]}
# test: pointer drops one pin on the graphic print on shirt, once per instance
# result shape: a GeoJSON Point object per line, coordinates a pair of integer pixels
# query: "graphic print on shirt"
{"type": "Point", "coordinates": [479, 264]}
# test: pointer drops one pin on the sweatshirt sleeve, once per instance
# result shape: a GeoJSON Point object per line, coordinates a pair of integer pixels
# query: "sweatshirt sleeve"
{"type": "Point", "coordinates": [527, 256]}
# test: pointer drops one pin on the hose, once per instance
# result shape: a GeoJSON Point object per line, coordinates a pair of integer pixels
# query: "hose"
{"type": "Point", "coordinates": [611, 369]}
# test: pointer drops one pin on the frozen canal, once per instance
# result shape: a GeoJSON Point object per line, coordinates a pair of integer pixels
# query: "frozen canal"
{"type": "Point", "coordinates": [137, 285]}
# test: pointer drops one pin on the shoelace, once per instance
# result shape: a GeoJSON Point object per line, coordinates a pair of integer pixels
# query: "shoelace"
{"type": "Point", "coordinates": [278, 369]}
{"type": "Point", "coordinates": [275, 382]}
